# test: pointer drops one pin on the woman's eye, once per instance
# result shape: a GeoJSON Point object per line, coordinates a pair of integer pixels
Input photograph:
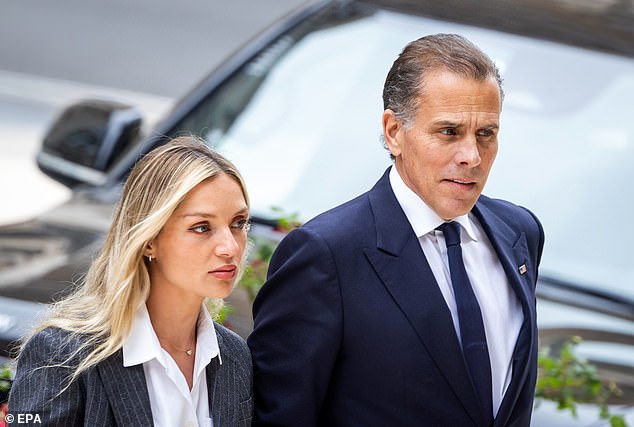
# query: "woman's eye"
{"type": "Point", "coordinates": [242, 224]}
{"type": "Point", "coordinates": [203, 228]}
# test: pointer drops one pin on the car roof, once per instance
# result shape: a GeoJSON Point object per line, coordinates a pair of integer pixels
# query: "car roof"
{"type": "Point", "coordinates": [606, 25]}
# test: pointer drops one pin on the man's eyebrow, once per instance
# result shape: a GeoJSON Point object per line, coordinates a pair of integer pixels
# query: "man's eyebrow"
{"type": "Point", "coordinates": [447, 123]}
{"type": "Point", "coordinates": [452, 124]}
{"type": "Point", "coordinates": [491, 126]}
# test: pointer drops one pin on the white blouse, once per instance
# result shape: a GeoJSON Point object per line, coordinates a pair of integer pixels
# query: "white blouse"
{"type": "Point", "coordinates": [172, 403]}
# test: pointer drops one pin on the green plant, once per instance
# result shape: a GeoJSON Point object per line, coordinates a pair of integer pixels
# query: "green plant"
{"type": "Point", "coordinates": [255, 271]}
{"type": "Point", "coordinates": [220, 314]}
{"type": "Point", "coordinates": [568, 379]}
{"type": "Point", "coordinates": [286, 222]}
{"type": "Point", "coordinates": [5, 382]}
{"type": "Point", "coordinates": [254, 274]}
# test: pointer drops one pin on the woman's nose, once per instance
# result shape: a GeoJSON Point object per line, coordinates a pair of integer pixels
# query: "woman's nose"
{"type": "Point", "coordinates": [226, 244]}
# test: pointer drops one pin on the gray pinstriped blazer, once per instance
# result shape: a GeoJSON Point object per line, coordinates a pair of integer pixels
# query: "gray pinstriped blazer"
{"type": "Point", "coordinates": [111, 395]}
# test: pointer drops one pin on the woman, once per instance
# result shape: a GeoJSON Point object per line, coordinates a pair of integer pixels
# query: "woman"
{"type": "Point", "coordinates": [135, 344]}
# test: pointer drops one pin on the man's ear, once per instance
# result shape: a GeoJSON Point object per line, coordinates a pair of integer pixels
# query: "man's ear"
{"type": "Point", "coordinates": [392, 131]}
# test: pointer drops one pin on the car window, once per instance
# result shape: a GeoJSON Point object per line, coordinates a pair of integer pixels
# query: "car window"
{"type": "Point", "coordinates": [302, 122]}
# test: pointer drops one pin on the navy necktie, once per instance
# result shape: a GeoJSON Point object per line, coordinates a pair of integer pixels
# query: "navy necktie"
{"type": "Point", "coordinates": [474, 343]}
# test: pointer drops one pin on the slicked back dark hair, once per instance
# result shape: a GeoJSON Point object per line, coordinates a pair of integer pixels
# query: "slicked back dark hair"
{"type": "Point", "coordinates": [451, 52]}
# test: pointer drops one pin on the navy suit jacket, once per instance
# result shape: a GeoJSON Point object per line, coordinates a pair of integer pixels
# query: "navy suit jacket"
{"type": "Point", "coordinates": [351, 328]}
{"type": "Point", "coordinates": [112, 395]}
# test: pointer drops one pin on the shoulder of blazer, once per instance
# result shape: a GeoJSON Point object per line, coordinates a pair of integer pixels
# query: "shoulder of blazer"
{"type": "Point", "coordinates": [344, 224]}
{"type": "Point", "coordinates": [232, 345]}
{"type": "Point", "coordinates": [517, 217]}
{"type": "Point", "coordinates": [55, 344]}
{"type": "Point", "coordinates": [42, 373]}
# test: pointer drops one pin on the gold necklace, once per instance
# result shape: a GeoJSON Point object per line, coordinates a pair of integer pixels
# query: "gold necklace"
{"type": "Point", "coordinates": [187, 351]}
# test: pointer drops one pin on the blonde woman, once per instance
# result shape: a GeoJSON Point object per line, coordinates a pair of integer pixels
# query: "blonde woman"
{"type": "Point", "coordinates": [135, 344]}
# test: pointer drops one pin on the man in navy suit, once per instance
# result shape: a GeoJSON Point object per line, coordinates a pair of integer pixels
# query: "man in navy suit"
{"type": "Point", "coordinates": [359, 323]}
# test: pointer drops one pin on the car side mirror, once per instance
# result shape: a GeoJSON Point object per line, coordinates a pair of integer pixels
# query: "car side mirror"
{"type": "Point", "coordinates": [86, 139]}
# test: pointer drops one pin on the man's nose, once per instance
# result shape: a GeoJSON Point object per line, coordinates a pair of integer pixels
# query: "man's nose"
{"type": "Point", "coordinates": [468, 153]}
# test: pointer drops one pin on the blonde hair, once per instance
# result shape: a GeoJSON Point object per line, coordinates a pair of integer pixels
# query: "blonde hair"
{"type": "Point", "coordinates": [102, 308]}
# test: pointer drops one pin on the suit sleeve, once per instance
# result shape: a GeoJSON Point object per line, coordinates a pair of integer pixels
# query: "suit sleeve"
{"type": "Point", "coordinates": [537, 239]}
{"type": "Point", "coordinates": [297, 332]}
{"type": "Point", "coordinates": [39, 379]}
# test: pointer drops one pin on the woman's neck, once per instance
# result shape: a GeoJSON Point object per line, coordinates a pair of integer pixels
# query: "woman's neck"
{"type": "Point", "coordinates": [174, 321]}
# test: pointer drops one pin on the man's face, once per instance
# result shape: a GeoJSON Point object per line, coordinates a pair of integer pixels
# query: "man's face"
{"type": "Point", "coordinates": [446, 154]}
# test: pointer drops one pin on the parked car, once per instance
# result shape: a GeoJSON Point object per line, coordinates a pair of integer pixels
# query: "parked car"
{"type": "Point", "coordinates": [298, 110]}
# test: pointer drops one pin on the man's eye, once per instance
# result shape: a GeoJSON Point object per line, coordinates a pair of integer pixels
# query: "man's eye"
{"type": "Point", "coordinates": [485, 132]}
{"type": "Point", "coordinates": [448, 131]}
{"type": "Point", "coordinates": [242, 224]}
{"type": "Point", "coordinates": [202, 228]}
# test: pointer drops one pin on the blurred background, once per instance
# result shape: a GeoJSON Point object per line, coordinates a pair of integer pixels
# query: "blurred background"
{"type": "Point", "coordinates": [568, 113]}
{"type": "Point", "coordinates": [150, 52]}
{"type": "Point", "coordinates": [145, 52]}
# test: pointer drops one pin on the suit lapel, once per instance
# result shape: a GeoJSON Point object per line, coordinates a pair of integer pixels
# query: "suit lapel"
{"type": "Point", "coordinates": [401, 265]}
{"type": "Point", "coordinates": [217, 402]}
{"type": "Point", "coordinates": [126, 390]}
{"type": "Point", "coordinates": [511, 248]}
{"type": "Point", "coordinates": [218, 406]}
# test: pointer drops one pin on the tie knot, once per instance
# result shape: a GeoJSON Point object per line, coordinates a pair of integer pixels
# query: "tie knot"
{"type": "Point", "coordinates": [451, 231]}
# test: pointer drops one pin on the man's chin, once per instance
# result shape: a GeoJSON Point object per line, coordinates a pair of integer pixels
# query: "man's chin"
{"type": "Point", "coordinates": [455, 209]}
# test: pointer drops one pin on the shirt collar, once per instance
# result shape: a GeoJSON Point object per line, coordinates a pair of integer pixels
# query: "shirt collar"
{"type": "Point", "coordinates": [206, 342]}
{"type": "Point", "coordinates": [142, 344]}
{"type": "Point", "coordinates": [422, 218]}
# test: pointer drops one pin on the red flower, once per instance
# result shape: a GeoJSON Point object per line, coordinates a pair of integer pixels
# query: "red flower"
{"type": "Point", "coordinates": [4, 409]}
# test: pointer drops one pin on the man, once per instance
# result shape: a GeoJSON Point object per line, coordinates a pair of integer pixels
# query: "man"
{"type": "Point", "coordinates": [368, 317]}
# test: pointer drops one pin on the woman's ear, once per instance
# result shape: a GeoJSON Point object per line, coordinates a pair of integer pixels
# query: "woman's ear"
{"type": "Point", "coordinates": [149, 249]}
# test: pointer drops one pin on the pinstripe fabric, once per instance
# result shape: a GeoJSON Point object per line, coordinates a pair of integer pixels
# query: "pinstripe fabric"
{"type": "Point", "coordinates": [112, 395]}
{"type": "Point", "coordinates": [230, 384]}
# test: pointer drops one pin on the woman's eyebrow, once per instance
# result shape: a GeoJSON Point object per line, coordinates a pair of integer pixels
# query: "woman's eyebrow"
{"type": "Point", "coordinates": [242, 211]}
{"type": "Point", "coordinates": [198, 214]}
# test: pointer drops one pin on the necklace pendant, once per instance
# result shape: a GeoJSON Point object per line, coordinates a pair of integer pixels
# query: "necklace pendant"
{"type": "Point", "coordinates": [189, 352]}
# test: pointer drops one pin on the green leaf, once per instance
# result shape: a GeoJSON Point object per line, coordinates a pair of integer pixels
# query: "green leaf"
{"type": "Point", "coordinates": [617, 421]}
{"type": "Point", "coordinates": [567, 379]}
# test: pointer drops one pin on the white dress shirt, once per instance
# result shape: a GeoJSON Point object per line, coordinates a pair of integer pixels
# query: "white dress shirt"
{"type": "Point", "coordinates": [172, 403]}
{"type": "Point", "coordinates": [501, 310]}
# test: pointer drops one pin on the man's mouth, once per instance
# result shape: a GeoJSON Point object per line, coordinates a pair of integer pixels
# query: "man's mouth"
{"type": "Point", "coordinates": [459, 181]}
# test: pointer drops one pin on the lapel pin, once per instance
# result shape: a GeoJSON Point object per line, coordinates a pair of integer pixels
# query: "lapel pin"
{"type": "Point", "coordinates": [522, 268]}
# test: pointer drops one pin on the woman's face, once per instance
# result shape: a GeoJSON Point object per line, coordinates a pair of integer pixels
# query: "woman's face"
{"type": "Point", "coordinates": [198, 251]}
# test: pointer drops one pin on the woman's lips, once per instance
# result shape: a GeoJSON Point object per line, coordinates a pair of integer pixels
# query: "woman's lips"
{"type": "Point", "coordinates": [226, 272]}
